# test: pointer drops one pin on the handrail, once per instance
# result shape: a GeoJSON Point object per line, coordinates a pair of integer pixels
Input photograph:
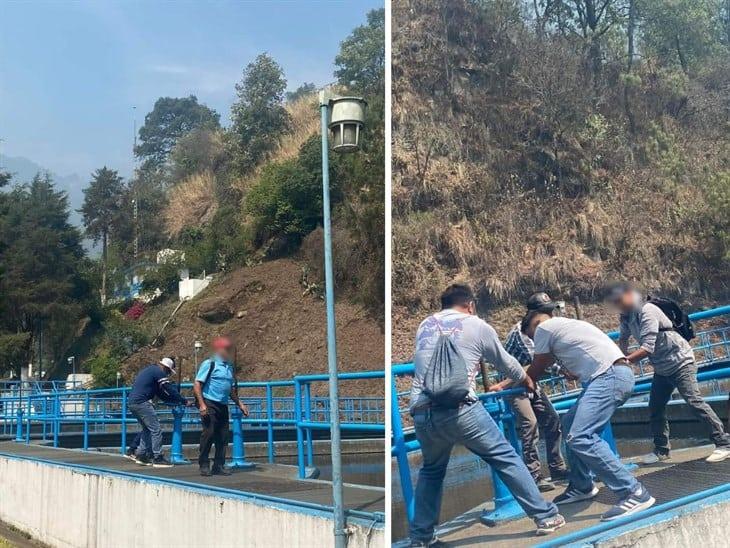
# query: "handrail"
{"type": "Point", "coordinates": [504, 503]}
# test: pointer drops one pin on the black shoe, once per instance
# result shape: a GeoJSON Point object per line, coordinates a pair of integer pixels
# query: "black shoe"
{"type": "Point", "coordinates": [221, 471]}
{"type": "Point", "coordinates": [544, 485]}
{"type": "Point", "coordinates": [130, 454]}
{"type": "Point", "coordinates": [559, 474]}
{"type": "Point", "coordinates": [143, 460]}
{"type": "Point", "coordinates": [161, 462]}
{"type": "Point", "coordinates": [571, 495]}
{"type": "Point", "coordinates": [205, 470]}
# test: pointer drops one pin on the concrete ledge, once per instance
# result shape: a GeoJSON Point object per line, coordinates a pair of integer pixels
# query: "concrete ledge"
{"type": "Point", "coordinates": [702, 523]}
{"type": "Point", "coordinates": [69, 506]}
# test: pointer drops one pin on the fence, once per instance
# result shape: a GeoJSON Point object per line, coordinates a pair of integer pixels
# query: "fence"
{"type": "Point", "coordinates": [713, 348]}
{"type": "Point", "coordinates": [288, 404]}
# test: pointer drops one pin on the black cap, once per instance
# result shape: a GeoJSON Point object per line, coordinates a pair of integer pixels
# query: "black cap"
{"type": "Point", "coordinates": [541, 301]}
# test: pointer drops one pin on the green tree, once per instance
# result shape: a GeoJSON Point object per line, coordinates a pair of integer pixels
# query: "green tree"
{"type": "Point", "coordinates": [305, 89]}
{"type": "Point", "coordinates": [361, 60]}
{"type": "Point", "coordinates": [259, 117]}
{"type": "Point", "coordinates": [41, 284]}
{"type": "Point", "coordinates": [103, 205]}
{"type": "Point", "coordinates": [170, 119]}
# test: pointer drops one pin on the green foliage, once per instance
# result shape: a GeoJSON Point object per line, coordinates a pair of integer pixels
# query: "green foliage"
{"type": "Point", "coordinates": [104, 369]}
{"type": "Point", "coordinates": [164, 277]}
{"type": "Point", "coordinates": [121, 336]}
{"type": "Point", "coordinates": [259, 117]}
{"type": "Point", "coordinates": [718, 203]}
{"type": "Point", "coordinates": [662, 150]}
{"type": "Point", "coordinates": [102, 203]}
{"type": "Point", "coordinates": [170, 119]}
{"type": "Point", "coordinates": [361, 60]}
{"type": "Point", "coordinates": [306, 88]}
{"type": "Point", "coordinates": [200, 150]}
{"type": "Point", "coordinates": [286, 200]}
{"type": "Point", "coordinates": [13, 350]}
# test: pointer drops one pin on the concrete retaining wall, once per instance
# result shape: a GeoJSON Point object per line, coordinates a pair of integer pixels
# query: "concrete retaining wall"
{"type": "Point", "coordinates": [72, 508]}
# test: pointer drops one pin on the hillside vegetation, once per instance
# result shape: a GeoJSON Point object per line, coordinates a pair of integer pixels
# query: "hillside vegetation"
{"type": "Point", "coordinates": [559, 144]}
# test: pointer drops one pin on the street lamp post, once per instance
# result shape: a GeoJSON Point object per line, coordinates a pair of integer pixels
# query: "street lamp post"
{"type": "Point", "coordinates": [119, 377]}
{"type": "Point", "coordinates": [345, 116]}
{"type": "Point", "coordinates": [71, 360]}
{"type": "Point", "coordinates": [197, 347]}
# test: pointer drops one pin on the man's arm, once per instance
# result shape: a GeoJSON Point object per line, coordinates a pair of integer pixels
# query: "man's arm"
{"type": "Point", "coordinates": [493, 352]}
{"type": "Point", "coordinates": [198, 391]}
{"type": "Point", "coordinates": [169, 393]}
{"type": "Point", "coordinates": [540, 363]}
{"type": "Point", "coordinates": [234, 396]}
{"type": "Point", "coordinates": [649, 331]}
{"type": "Point", "coordinates": [623, 336]}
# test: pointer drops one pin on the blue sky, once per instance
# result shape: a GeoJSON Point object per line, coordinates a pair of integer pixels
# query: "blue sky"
{"type": "Point", "coordinates": [70, 72]}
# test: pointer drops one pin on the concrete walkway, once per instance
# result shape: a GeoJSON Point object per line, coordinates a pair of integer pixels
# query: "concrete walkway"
{"type": "Point", "coordinates": [685, 473]}
{"type": "Point", "coordinates": [265, 479]}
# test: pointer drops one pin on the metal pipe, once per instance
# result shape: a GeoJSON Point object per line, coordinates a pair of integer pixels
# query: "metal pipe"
{"type": "Point", "coordinates": [337, 491]}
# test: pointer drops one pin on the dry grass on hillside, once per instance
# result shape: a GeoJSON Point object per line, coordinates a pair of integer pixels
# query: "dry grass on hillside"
{"type": "Point", "coordinates": [191, 202]}
{"type": "Point", "coordinates": [304, 123]}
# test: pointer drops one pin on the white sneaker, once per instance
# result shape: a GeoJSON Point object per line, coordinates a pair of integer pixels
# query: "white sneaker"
{"type": "Point", "coordinates": [653, 458]}
{"type": "Point", "coordinates": [719, 455]}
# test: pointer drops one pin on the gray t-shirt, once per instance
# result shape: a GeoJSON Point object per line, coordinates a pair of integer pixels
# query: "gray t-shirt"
{"type": "Point", "coordinates": [668, 350]}
{"type": "Point", "coordinates": [580, 347]}
{"type": "Point", "coordinates": [475, 340]}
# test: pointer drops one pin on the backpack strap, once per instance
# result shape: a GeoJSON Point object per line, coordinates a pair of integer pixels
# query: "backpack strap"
{"type": "Point", "coordinates": [210, 372]}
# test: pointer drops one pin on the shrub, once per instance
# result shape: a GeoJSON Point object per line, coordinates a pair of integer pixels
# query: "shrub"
{"type": "Point", "coordinates": [104, 370]}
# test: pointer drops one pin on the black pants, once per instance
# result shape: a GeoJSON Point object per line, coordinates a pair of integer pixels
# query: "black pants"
{"type": "Point", "coordinates": [215, 430]}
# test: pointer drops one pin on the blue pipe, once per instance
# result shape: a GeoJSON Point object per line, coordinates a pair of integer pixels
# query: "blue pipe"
{"type": "Point", "coordinates": [177, 456]}
{"type": "Point", "coordinates": [401, 452]}
{"type": "Point", "coordinates": [19, 423]}
{"type": "Point", "coordinates": [238, 456]}
{"type": "Point", "coordinates": [300, 430]}
{"type": "Point", "coordinates": [270, 423]}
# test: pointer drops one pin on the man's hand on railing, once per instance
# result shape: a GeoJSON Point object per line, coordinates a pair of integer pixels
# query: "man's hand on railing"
{"type": "Point", "coordinates": [529, 384]}
{"type": "Point", "coordinates": [244, 408]}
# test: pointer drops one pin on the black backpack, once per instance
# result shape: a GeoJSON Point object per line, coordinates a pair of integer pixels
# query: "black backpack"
{"type": "Point", "coordinates": [679, 318]}
{"type": "Point", "coordinates": [446, 381]}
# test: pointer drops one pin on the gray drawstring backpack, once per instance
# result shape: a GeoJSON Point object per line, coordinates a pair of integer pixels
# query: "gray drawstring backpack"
{"type": "Point", "coordinates": [446, 382]}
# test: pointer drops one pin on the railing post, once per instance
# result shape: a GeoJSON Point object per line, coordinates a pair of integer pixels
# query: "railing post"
{"type": "Point", "coordinates": [238, 457]}
{"type": "Point", "coordinates": [56, 418]}
{"type": "Point", "coordinates": [270, 422]}
{"type": "Point", "coordinates": [176, 447]}
{"type": "Point", "coordinates": [506, 507]}
{"type": "Point", "coordinates": [401, 455]}
{"type": "Point", "coordinates": [19, 422]}
{"type": "Point", "coordinates": [308, 418]}
{"type": "Point", "coordinates": [123, 448]}
{"type": "Point", "coordinates": [300, 433]}
{"type": "Point", "coordinates": [28, 419]}
{"type": "Point", "coordinates": [87, 403]}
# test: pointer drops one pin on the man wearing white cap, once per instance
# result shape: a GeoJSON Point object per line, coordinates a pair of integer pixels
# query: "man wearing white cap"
{"type": "Point", "coordinates": [152, 381]}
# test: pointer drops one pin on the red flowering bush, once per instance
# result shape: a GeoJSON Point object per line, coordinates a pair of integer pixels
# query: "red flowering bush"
{"type": "Point", "coordinates": [134, 311]}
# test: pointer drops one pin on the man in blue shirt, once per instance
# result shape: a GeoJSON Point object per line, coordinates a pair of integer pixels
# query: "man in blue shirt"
{"type": "Point", "coordinates": [153, 381]}
{"type": "Point", "coordinates": [214, 385]}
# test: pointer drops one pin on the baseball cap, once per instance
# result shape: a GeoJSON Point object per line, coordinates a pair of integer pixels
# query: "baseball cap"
{"type": "Point", "coordinates": [169, 363]}
{"type": "Point", "coordinates": [541, 301]}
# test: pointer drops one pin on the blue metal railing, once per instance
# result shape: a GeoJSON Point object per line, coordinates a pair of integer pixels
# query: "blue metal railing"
{"type": "Point", "coordinates": [713, 345]}
{"type": "Point", "coordinates": [272, 404]}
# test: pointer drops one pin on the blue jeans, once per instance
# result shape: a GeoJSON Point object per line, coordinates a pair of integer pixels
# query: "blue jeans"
{"type": "Point", "coordinates": [438, 430]}
{"type": "Point", "coordinates": [151, 441]}
{"type": "Point", "coordinates": [586, 451]}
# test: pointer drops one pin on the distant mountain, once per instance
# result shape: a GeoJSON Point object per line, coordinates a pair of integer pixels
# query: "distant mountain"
{"type": "Point", "coordinates": [24, 170]}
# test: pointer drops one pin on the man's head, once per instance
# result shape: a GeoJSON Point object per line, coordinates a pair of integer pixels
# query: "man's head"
{"type": "Point", "coordinates": [622, 296]}
{"type": "Point", "coordinates": [459, 297]}
{"type": "Point", "coordinates": [531, 320]}
{"type": "Point", "coordinates": [223, 347]}
{"type": "Point", "coordinates": [541, 302]}
{"type": "Point", "coordinates": [168, 364]}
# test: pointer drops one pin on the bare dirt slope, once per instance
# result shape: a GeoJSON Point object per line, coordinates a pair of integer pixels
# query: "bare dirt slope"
{"type": "Point", "coordinates": [279, 331]}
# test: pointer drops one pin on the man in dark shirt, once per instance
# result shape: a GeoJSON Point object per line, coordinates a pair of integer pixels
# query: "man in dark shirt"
{"type": "Point", "coordinates": [153, 381]}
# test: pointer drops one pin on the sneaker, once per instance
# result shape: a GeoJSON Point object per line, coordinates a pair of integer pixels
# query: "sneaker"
{"type": "Point", "coordinates": [143, 460]}
{"type": "Point", "coordinates": [544, 485]}
{"type": "Point", "coordinates": [433, 543]}
{"type": "Point", "coordinates": [571, 495]}
{"type": "Point", "coordinates": [220, 471]}
{"type": "Point", "coordinates": [161, 462]}
{"type": "Point", "coordinates": [205, 471]}
{"type": "Point", "coordinates": [653, 458]}
{"type": "Point", "coordinates": [550, 525]}
{"type": "Point", "coordinates": [559, 474]}
{"type": "Point", "coordinates": [130, 454]}
{"type": "Point", "coordinates": [719, 455]}
{"type": "Point", "coordinates": [637, 501]}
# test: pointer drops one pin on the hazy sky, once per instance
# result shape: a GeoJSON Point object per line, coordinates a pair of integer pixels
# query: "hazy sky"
{"type": "Point", "coordinates": [70, 72]}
